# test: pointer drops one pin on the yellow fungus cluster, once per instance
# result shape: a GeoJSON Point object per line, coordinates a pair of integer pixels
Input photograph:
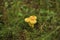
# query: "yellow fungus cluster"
{"type": "Point", "coordinates": [31, 20]}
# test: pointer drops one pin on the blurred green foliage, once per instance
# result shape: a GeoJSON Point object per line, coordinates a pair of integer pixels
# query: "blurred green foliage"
{"type": "Point", "coordinates": [46, 28]}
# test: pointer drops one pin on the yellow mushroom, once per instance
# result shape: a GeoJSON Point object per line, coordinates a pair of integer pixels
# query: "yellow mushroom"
{"type": "Point", "coordinates": [31, 20]}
